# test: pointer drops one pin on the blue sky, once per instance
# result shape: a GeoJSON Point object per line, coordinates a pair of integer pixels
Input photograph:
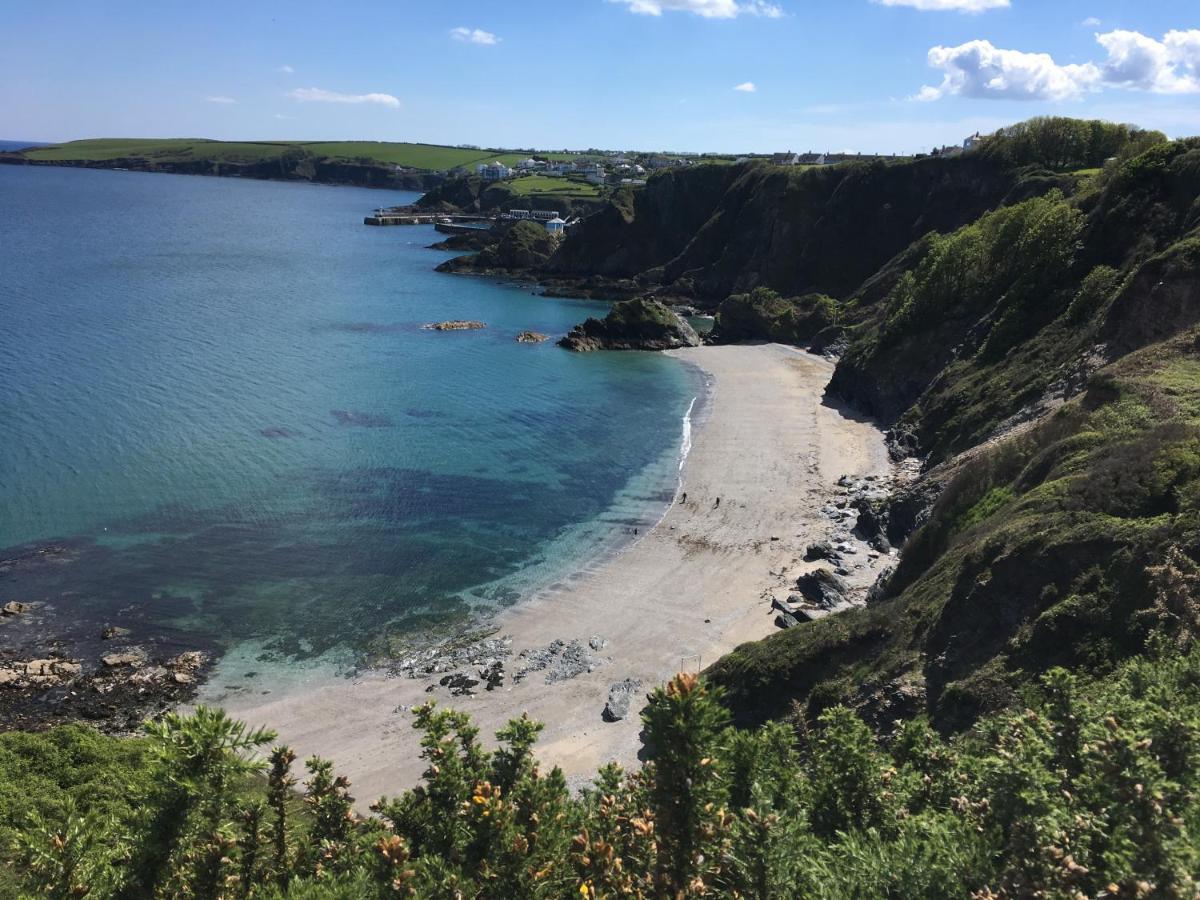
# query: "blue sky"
{"type": "Point", "coordinates": [723, 75]}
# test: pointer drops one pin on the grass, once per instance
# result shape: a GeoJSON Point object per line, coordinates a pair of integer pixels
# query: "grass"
{"type": "Point", "coordinates": [531, 185]}
{"type": "Point", "coordinates": [414, 156]}
{"type": "Point", "coordinates": [161, 149]}
{"type": "Point", "coordinates": [432, 157]}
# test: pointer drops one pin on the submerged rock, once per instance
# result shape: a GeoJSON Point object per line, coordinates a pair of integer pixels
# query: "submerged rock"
{"type": "Point", "coordinates": [13, 608]}
{"type": "Point", "coordinates": [639, 324]}
{"type": "Point", "coordinates": [455, 325]}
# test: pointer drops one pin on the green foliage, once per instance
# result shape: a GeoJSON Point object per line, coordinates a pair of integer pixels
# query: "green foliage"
{"type": "Point", "coordinates": [1014, 253]}
{"type": "Point", "coordinates": [763, 315]}
{"type": "Point", "coordinates": [1065, 144]}
{"type": "Point", "coordinates": [1089, 784]}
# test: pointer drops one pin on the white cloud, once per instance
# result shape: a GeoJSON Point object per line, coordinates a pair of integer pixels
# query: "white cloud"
{"type": "Point", "coordinates": [219, 99]}
{"type": "Point", "coordinates": [978, 69]}
{"type": "Point", "coordinates": [1134, 61]}
{"type": "Point", "coordinates": [287, 70]}
{"type": "Point", "coordinates": [746, 87]}
{"type": "Point", "coordinates": [282, 116]}
{"type": "Point", "coordinates": [1169, 66]}
{"type": "Point", "coordinates": [708, 9]}
{"type": "Point", "coordinates": [317, 95]}
{"type": "Point", "coordinates": [967, 6]}
{"type": "Point", "coordinates": [474, 36]}
{"type": "Point", "coordinates": [1091, 22]}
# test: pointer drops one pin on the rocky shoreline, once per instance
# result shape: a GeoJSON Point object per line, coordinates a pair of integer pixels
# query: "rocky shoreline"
{"type": "Point", "coordinates": [48, 677]}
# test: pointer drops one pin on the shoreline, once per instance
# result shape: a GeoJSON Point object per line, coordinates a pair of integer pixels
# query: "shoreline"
{"type": "Point", "coordinates": [689, 590]}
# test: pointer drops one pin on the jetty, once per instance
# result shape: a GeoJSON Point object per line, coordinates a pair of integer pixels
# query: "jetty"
{"type": "Point", "coordinates": [403, 216]}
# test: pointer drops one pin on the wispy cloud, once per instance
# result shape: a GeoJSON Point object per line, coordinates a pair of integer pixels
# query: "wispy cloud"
{"type": "Point", "coordinates": [746, 87]}
{"type": "Point", "coordinates": [318, 95]}
{"type": "Point", "coordinates": [1091, 22]}
{"type": "Point", "coordinates": [287, 70]}
{"type": "Point", "coordinates": [1134, 62]}
{"type": "Point", "coordinates": [282, 116]}
{"type": "Point", "coordinates": [966, 6]}
{"type": "Point", "coordinates": [474, 36]}
{"type": "Point", "coordinates": [220, 99]}
{"type": "Point", "coordinates": [708, 9]}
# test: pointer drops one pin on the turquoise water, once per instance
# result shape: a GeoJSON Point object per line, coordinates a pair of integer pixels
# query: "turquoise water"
{"type": "Point", "coordinates": [220, 409]}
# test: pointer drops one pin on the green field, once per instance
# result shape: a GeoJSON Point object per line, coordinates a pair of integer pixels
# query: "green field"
{"type": "Point", "coordinates": [430, 157]}
{"type": "Point", "coordinates": [531, 185]}
{"type": "Point", "coordinates": [160, 149]}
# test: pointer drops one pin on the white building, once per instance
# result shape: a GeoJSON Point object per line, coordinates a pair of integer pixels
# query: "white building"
{"type": "Point", "coordinates": [972, 142]}
{"type": "Point", "coordinates": [556, 225]}
{"type": "Point", "coordinates": [493, 171]}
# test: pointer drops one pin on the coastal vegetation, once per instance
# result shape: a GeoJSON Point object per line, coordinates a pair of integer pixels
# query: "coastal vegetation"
{"type": "Point", "coordinates": [1016, 710]}
{"type": "Point", "coordinates": [1087, 788]}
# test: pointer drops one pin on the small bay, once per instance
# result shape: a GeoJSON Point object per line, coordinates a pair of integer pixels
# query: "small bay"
{"type": "Point", "coordinates": [221, 417]}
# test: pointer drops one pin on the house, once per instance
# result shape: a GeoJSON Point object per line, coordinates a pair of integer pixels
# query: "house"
{"type": "Point", "coordinates": [559, 168]}
{"type": "Point", "coordinates": [972, 142]}
{"type": "Point", "coordinates": [556, 226]}
{"type": "Point", "coordinates": [493, 171]}
{"type": "Point", "coordinates": [527, 164]}
{"type": "Point", "coordinates": [785, 159]}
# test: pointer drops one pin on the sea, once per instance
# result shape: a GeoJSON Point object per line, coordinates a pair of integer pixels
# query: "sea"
{"type": "Point", "coordinates": [222, 420]}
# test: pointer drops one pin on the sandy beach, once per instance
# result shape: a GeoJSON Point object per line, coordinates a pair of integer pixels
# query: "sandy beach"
{"type": "Point", "coordinates": [679, 597]}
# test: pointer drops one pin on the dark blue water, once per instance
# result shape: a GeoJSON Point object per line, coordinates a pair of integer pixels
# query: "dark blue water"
{"type": "Point", "coordinates": [221, 415]}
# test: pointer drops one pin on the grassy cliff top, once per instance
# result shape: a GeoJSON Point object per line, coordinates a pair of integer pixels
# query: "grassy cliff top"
{"type": "Point", "coordinates": [432, 157]}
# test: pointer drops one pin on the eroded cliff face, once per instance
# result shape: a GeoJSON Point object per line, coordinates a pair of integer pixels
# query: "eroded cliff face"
{"type": "Point", "coordinates": [312, 169]}
{"type": "Point", "coordinates": [1044, 362]}
{"type": "Point", "coordinates": [709, 231]}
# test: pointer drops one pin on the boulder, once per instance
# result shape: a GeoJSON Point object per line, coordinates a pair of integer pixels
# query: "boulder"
{"type": "Point", "coordinates": [133, 658]}
{"type": "Point", "coordinates": [822, 588]}
{"type": "Point", "coordinates": [786, 620]}
{"type": "Point", "coordinates": [532, 337]}
{"type": "Point", "coordinates": [819, 550]}
{"type": "Point", "coordinates": [13, 608]}
{"type": "Point", "coordinates": [639, 324]}
{"type": "Point", "coordinates": [619, 697]}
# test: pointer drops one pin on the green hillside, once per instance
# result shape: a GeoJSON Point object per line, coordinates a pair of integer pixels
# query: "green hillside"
{"type": "Point", "coordinates": [430, 157]}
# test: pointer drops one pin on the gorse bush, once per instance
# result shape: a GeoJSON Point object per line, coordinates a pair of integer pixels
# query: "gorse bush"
{"type": "Point", "coordinates": [1089, 789]}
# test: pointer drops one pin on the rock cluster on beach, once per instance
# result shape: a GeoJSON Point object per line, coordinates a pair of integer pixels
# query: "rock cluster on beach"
{"type": "Point", "coordinates": [561, 660]}
{"type": "Point", "coordinates": [859, 514]}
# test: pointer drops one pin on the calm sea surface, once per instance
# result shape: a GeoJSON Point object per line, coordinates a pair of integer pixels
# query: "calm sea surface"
{"type": "Point", "coordinates": [218, 406]}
